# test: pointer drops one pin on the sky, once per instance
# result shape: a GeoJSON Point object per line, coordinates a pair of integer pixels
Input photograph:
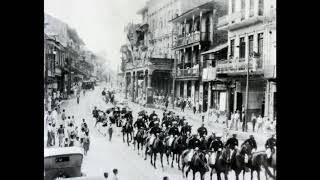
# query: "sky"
{"type": "Point", "coordinates": [99, 23]}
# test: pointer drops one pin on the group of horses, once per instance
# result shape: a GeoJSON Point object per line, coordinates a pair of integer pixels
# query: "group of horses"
{"type": "Point", "coordinates": [242, 160]}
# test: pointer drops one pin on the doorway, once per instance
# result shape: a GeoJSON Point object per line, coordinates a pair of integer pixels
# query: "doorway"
{"type": "Point", "coordinates": [239, 101]}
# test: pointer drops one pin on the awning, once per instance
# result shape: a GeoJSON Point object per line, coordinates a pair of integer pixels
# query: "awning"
{"type": "Point", "coordinates": [215, 49]}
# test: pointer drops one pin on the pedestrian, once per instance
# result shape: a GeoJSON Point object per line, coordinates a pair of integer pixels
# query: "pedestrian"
{"type": "Point", "coordinates": [259, 123]}
{"type": "Point", "coordinates": [63, 115]}
{"type": "Point", "coordinates": [84, 92]}
{"type": "Point", "coordinates": [49, 136]}
{"type": "Point", "coordinates": [115, 174]}
{"type": "Point", "coordinates": [110, 131]}
{"type": "Point", "coordinates": [78, 98]}
{"type": "Point", "coordinates": [53, 135]}
{"type": "Point", "coordinates": [77, 142]}
{"type": "Point", "coordinates": [105, 175]}
{"type": "Point", "coordinates": [237, 119]}
{"type": "Point", "coordinates": [66, 142]}
{"type": "Point", "coordinates": [61, 135]}
{"type": "Point", "coordinates": [54, 115]}
{"type": "Point", "coordinates": [86, 143]}
{"type": "Point", "coordinates": [73, 121]}
{"type": "Point", "coordinates": [253, 121]}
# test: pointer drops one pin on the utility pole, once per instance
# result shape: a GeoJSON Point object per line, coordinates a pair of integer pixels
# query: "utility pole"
{"type": "Point", "coordinates": [245, 120]}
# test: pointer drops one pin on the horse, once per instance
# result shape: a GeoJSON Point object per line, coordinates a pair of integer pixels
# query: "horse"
{"type": "Point", "coordinates": [239, 160]}
{"type": "Point", "coordinates": [198, 164]}
{"type": "Point", "coordinates": [258, 160]}
{"type": "Point", "coordinates": [127, 129]}
{"type": "Point", "coordinates": [158, 146]}
{"type": "Point", "coordinates": [177, 147]}
{"type": "Point", "coordinates": [221, 165]}
{"type": "Point", "coordinates": [140, 138]}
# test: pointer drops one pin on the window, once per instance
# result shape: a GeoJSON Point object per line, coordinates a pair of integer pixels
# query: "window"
{"type": "Point", "coordinates": [261, 7]}
{"type": "Point", "coordinates": [251, 8]}
{"type": "Point", "coordinates": [242, 52]}
{"type": "Point", "coordinates": [233, 6]}
{"type": "Point", "coordinates": [243, 5]}
{"type": "Point", "coordinates": [251, 45]}
{"type": "Point", "coordinates": [232, 48]}
{"type": "Point", "coordinates": [260, 44]}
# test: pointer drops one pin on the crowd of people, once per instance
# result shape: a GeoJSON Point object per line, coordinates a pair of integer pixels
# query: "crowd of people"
{"type": "Point", "coordinates": [62, 129]}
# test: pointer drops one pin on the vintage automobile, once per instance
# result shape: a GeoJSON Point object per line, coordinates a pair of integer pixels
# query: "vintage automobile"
{"type": "Point", "coordinates": [62, 162]}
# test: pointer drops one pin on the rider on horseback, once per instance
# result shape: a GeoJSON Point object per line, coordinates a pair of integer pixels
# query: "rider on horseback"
{"type": "Point", "coordinates": [151, 117]}
{"type": "Point", "coordinates": [217, 146]}
{"type": "Point", "coordinates": [154, 131]}
{"type": "Point", "coordinates": [252, 142]}
{"type": "Point", "coordinates": [202, 131]}
{"type": "Point", "coordinates": [193, 145]}
{"type": "Point", "coordinates": [167, 123]}
{"type": "Point", "coordinates": [232, 143]}
{"type": "Point", "coordinates": [270, 146]}
{"type": "Point", "coordinates": [185, 129]}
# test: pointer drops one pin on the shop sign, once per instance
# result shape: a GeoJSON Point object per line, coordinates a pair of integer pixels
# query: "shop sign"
{"type": "Point", "coordinates": [219, 87]}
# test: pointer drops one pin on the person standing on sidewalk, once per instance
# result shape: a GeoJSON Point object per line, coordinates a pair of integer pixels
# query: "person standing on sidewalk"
{"type": "Point", "coordinates": [253, 121]}
{"type": "Point", "coordinates": [259, 122]}
{"type": "Point", "coordinates": [63, 115]}
{"type": "Point", "coordinates": [237, 118]}
{"type": "Point", "coordinates": [78, 97]}
{"type": "Point", "coordinates": [86, 143]}
{"type": "Point", "coordinates": [61, 135]}
{"type": "Point", "coordinates": [110, 131]}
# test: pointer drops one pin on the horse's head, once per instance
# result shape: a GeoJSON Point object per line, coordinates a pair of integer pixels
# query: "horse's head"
{"type": "Point", "coordinates": [225, 155]}
{"type": "Point", "coordinates": [200, 161]}
{"type": "Point", "coordinates": [247, 147]}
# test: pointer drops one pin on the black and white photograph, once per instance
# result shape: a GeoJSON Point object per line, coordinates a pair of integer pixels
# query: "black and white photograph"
{"type": "Point", "coordinates": [160, 89]}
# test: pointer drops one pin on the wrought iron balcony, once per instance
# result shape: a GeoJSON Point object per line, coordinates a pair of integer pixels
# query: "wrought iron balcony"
{"type": "Point", "coordinates": [235, 66]}
{"type": "Point", "coordinates": [190, 39]}
{"type": "Point", "coordinates": [191, 72]}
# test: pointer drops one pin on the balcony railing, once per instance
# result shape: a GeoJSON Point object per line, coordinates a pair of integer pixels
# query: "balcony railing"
{"type": "Point", "coordinates": [191, 38]}
{"type": "Point", "coordinates": [192, 72]}
{"type": "Point", "coordinates": [223, 21]}
{"type": "Point", "coordinates": [237, 66]}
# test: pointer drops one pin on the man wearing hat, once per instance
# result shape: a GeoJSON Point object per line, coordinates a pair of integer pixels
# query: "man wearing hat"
{"type": "Point", "coordinates": [193, 145]}
{"type": "Point", "coordinates": [232, 143]}
{"type": "Point", "coordinates": [202, 131]}
{"type": "Point", "coordinates": [154, 131]}
{"type": "Point", "coordinates": [181, 121]}
{"type": "Point", "coordinates": [211, 138]}
{"type": "Point", "coordinates": [152, 115]}
{"type": "Point", "coordinates": [217, 146]}
{"type": "Point", "coordinates": [174, 131]}
{"type": "Point", "coordinates": [139, 124]}
{"type": "Point", "coordinates": [166, 122]}
{"type": "Point", "coordinates": [185, 129]}
{"type": "Point", "coordinates": [270, 145]}
{"type": "Point", "coordinates": [252, 142]}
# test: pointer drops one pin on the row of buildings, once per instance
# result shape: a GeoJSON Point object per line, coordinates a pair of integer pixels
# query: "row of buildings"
{"type": "Point", "coordinates": [66, 60]}
{"type": "Point", "coordinates": [220, 54]}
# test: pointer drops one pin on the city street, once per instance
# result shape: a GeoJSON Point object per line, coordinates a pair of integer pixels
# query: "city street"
{"type": "Point", "coordinates": [103, 155]}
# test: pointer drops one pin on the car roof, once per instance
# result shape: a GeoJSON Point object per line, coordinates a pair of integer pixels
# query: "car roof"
{"type": "Point", "coordinates": [62, 151]}
{"type": "Point", "coordinates": [86, 178]}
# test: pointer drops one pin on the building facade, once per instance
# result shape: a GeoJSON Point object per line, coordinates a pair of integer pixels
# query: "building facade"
{"type": "Point", "coordinates": [150, 54]}
{"type": "Point", "coordinates": [251, 26]}
{"type": "Point", "coordinates": [195, 33]}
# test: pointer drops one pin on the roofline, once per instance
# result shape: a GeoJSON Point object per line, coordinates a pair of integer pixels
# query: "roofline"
{"type": "Point", "coordinates": [205, 6]}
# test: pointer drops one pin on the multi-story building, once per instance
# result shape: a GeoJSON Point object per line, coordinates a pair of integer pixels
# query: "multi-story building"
{"type": "Point", "coordinates": [251, 29]}
{"type": "Point", "coordinates": [148, 70]}
{"type": "Point", "coordinates": [195, 32]}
